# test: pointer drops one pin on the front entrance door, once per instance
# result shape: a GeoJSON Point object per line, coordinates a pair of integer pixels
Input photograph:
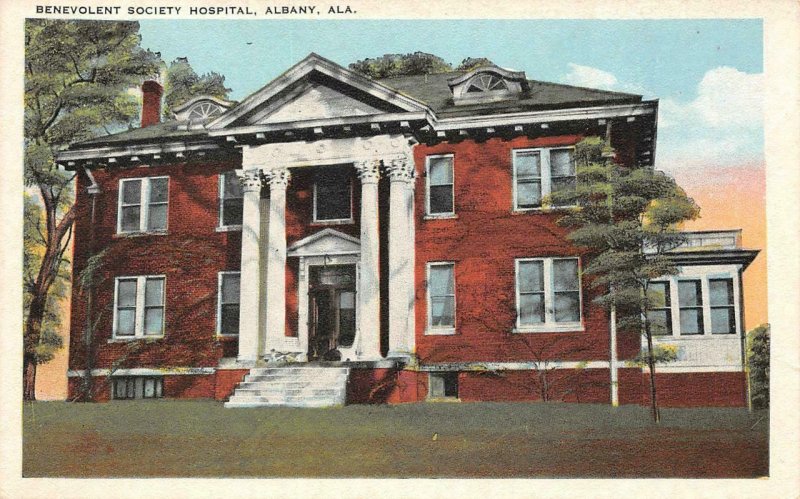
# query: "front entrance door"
{"type": "Point", "coordinates": [332, 310]}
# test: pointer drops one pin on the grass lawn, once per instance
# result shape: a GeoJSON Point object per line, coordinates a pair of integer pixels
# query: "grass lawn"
{"type": "Point", "coordinates": [167, 438]}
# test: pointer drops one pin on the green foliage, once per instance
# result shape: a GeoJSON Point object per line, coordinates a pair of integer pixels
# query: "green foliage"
{"type": "Point", "coordinates": [182, 83]}
{"type": "Point", "coordinates": [418, 63]}
{"type": "Point", "coordinates": [661, 354]}
{"type": "Point", "coordinates": [471, 63]}
{"type": "Point", "coordinates": [758, 362]}
{"type": "Point", "coordinates": [49, 341]}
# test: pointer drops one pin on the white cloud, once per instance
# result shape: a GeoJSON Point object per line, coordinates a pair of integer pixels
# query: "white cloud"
{"type": "Point", "coordinates": [587, 76]}
{"type": "Point", "coordinates": [723, 125]}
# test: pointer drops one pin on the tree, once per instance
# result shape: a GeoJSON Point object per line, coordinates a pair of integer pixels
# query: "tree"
{"type": "Point", "coordinates": [471, 63]}
{"type": "Point", "coordinates": [626, 218]}
{"type": "Point", "coordinates": [758, 364]}
{"type": "Point", "coordinates": [418, 63]}
{"type": "Point", "coordinates": [182, 83]}
{"type": "Point", "coordinates": [77, 74]}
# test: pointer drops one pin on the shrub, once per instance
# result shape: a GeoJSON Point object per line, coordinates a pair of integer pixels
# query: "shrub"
{"type": "Point", "coordinates": [758, 363]}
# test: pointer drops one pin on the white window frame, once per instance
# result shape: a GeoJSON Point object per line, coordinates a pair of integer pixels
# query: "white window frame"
{"type": "Point", "coordinates": [332, 221]}
{"type": "Point", "coordinates": [704, 278]}
{"type": "Point", "coordinates": [546, 175]}
{"type": "Point", "coordinates": [440, 330]}
{"type": "Point", "coordinates": [221, 226]}
{"type": "Point", "coordinates": [452, 213]}
{"type": "Point", "coordinates": [144, 206]}
{"type": "Point", "coordinates": [220, 276]}
{"type": "Point", "coordinates": [549, 325]}
{"type": "Point", "coordinates": [141, 282]}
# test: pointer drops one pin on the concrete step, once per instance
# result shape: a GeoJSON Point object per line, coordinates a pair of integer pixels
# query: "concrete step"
{"type": "Point", "coordinates": [296, 386]}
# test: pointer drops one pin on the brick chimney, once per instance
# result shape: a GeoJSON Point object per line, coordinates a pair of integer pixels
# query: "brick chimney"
{"type": "Point", "coordinates": [151, 103]}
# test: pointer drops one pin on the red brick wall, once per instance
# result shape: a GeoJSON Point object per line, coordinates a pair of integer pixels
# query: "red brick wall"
{"type": "Point", "coordinates": [565, 385]}
{"type": "Point", "coordinates": [382, 386]}
{"type": "Point", "coordinates": [484, 242]}
{"type": "Point", "coordinates": [190, 255]}
{"type": "Point", "coordinates": [226, 381]}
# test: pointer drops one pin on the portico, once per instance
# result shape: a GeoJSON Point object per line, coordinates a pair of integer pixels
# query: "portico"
{"type": "Point", "coordinates": [264, 253]}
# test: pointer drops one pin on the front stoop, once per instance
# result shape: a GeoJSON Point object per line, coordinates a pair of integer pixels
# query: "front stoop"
{"type": "Point", "coordinates": [307, 386]}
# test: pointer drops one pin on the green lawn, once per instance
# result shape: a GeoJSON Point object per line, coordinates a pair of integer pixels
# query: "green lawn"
{"type": "Point", "coordinates": [168, 438]}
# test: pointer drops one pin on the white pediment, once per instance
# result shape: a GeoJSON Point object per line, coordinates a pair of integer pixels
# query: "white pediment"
{"type": "Point", "coordinates": [325, 242]}
{"type": "Point", "coordinates": [316, 102]}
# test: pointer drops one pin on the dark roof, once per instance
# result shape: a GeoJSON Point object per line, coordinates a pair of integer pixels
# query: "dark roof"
{"type": "Point", "coordinates": [434, 91]}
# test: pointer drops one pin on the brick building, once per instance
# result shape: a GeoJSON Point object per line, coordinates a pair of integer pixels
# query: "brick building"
{"type": "Point", "coordinates": [336, 239]}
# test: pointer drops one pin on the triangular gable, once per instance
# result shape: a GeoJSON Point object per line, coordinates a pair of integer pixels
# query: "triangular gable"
{"type": "Point", "coordinates": [325, 242]}
{"type": "Point", "coordinates": [309, 81]}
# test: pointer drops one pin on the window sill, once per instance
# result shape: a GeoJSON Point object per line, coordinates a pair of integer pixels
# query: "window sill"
{"type": "Point", "coordinates": [140, 234]}
{"type": "Point", "coordinates": [550, 328]}
{"type": "Point", "coordinates": [444, 216]}
{"type": "Point", "coordinates": [541, 209]}
{"type": "Point", "coordinates": [135, 338]}
{"type": "Point", "coordinates": [344, 221]}
{"type": "Point", "coordinates": [226, 337]}
{"type": "Point", "coordinates": [693, 337]}
{"type": "Point", "coordinates": [440, 332]}
{"type": "Point", "coordinates": [443, 399]}
{"type": "Point", "coordinates": [229, 228]}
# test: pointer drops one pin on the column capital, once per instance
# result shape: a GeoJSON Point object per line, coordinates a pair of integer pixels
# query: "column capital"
{"type": "Point", "coordinates": [251, 180]}
{"type": "Point", "coordinates": [368, 170]}
{"type": "Point", "coordinates": [278, 178]}
{"type": "Point", "coordinates": [401, 170]}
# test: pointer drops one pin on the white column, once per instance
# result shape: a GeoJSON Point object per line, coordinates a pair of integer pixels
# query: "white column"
{"type": "Point", "coordinates": [369, 329]}
{"type": "Point", "coordinates": [401, 252]}
{"type": "Point", "coordinates": [250, 288]}
{"type": "Point", "coordinates": [276, 261]}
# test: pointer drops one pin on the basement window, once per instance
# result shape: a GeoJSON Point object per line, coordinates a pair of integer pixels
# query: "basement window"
{"type": "Point", "coordinates": [137, 387]}
{"type": "Point", "coordinates": [443, 385]}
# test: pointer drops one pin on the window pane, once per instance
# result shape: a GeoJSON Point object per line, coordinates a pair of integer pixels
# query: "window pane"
{"type": "Point", "coordinates": [531, 309]}
{"type": "Point", "coordinates": [229, 322]}
{"type": "Point", "coordinates": [437, 385]}
{"type": "Point", "coordinates": [231, 186]}
{"type": "Point", "coordinates": [565, 274]}
{"type": "Point", "coordinates": [568, 306]}
{"type": "Point", "coordinates": [659, 294]}
{"type": "Point", "coordinates": [531, 276]}
{"type": "Point", "coordinates": [347, 326]}
{"type": "Point", "coordinates": [450, 384]}
{"type": "Point", "coordinates": [333, 198]}
{"type": "Point", "coordinates": [230, 288]}
{"type": "Point", "coordinates": [126, 322]}
{"type": "Point", "coordinates": [441, 171]}
{"type": "Point", "coordinates": [441, 199]}
{"type": "Point", "coordinates": [232, 212]}
{"type": "Point", "coordinates": [126, 293]}
{"type": "Point", "coordinates": [158, 190]}
{"type": "Point", "coordinates": [689, 293]}
{"type": "Point", "coordinates": [130, 218]}
{"type": "Point", "coordinates": [721, 291]}
{"type": "Point", "coordinates": [442, 311]}
{"type": "Point", "coordinates": [154, 292]}
{"type": "Point", "coordinates": [691, 321]}
{"type": "Point", "coordinates": [347, 300]}
{"type": "Point", "coordinates": [153, 321]}
{"type": "Point", "coordinates": [149, 388]}
{"type": "Point", "coordinates": [132, 192]}
{"type": "Point", "coordinates": [561, 164]}
{"type": "Point", "coordinates": [158, 217]}
{"type": "Point", "coordinates": [130, 385]}
{"type": "Point", "coordinates": [722, 320]}
{"type": "Point", "coordinates": [660, 322]}
{"type": "Point", "coordinates": [529, 194]}
{"type": "Point", "coordinates": [441, 280]}
{"type": "Point", "coordinates": [527, 165]}
{"type": "Point", "coordinates": [564, 184]}
{"type": "Point", "coordinates": [119, 388]}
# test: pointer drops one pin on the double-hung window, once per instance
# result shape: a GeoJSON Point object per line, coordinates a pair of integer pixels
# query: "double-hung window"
{"type": "Point", "coordinates": [439, 174]}
{"type": "Point", "coordinates": [228, 304]}
{"type": "Point", "coordinates": [143, 205]}
{"type": "Point", "coordinates": [333, 195]}
{"type": "Point", "coordinates": [230, 200]}
{"type": "Point", "coordinates": [539, 173]}
{"type": "Point", "coordinates": [139, 307]}
{"type": "Point", "coordinates": [548, 294]}
{"type": "Point", "coordinates": [660, 314]}
{"type": "Point", "coordinates": [723, 313]}
{"type": "Point", "coordinates": [690, 304]}
{"type": "Point", "coordinates": [441, 298]}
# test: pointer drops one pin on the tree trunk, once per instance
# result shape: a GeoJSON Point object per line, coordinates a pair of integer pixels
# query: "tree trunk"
{"type": "Point", "coordinates": [29, 378]}
{"type": "Point", "coordinates": [651, 363]}
{"type": "Point", "coordinates": [33, 328]}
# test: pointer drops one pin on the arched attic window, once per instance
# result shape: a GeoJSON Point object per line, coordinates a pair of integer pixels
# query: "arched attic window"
{"type": "Point", "coordinates": [201, 110]}
{"type": "Point", "coordinates": [487, 84]}
{"type": "Point", "coordinates": [204, 110]}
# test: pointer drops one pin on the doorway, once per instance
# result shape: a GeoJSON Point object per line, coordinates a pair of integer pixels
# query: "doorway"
{"type": "Point", "coordinates": [332, 310]}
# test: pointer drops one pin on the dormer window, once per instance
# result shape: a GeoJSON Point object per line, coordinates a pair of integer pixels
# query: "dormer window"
{"type": "Point", "coordinates": [487, 84]}
{"type": "Point", "coordinates": [201, 110]}
{"type": "Point", "coordinates": [204, 110]}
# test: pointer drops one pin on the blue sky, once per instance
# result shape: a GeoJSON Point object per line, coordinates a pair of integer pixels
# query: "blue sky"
{"type": "Point", "coordinates": [708, 74]}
